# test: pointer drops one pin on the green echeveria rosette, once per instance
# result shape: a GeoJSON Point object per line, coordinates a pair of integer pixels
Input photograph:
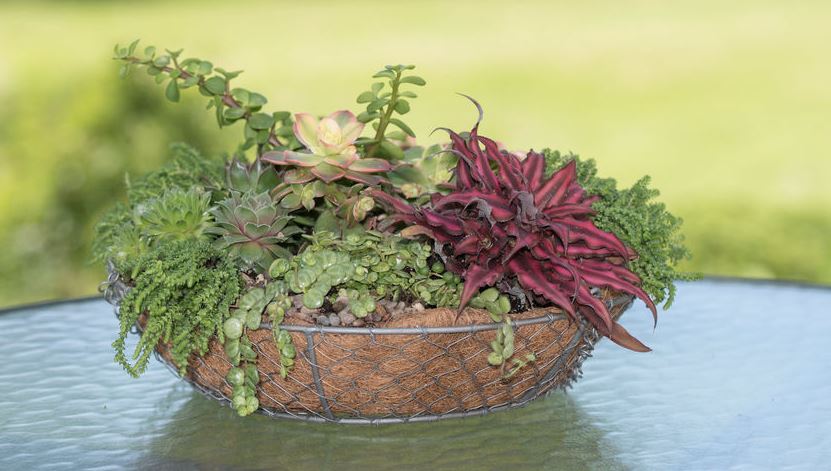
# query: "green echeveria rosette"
{"type": "Point", "coordinates": [253, 230]}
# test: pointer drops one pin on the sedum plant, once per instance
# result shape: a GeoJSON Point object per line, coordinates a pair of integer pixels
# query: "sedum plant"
{"type": "Point", "coordinates": [363, 268]}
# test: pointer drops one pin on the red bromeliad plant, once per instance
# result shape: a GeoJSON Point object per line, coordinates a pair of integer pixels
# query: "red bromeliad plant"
{"type": "Point", "coordinates": [516, 223]}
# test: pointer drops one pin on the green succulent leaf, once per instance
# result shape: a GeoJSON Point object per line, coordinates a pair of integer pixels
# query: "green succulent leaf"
{"type": "Point", "coordinates": [172, 90]}
{"type": "Point", "coordinates": [366, 97]}
{"type": "Point", "coordinates": [261, 121]}
{"type": "Point", "coordinates": [414, 79]}
{"type": "Point", "coordinates": [401, 125]}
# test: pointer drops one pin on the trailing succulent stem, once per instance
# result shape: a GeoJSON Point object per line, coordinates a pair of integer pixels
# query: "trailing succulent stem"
{"type": "Point", "coordinates": [247, 316]}
{"type": "Point", "coordinates": [276, 311]}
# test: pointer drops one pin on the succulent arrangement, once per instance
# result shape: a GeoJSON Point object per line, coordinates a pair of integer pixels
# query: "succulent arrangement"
{"type": "Point", "coordinates": [344, 220]}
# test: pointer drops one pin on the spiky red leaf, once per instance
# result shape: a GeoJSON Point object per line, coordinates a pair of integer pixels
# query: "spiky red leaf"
{"type": "Point", "coordinates": [519, 224]}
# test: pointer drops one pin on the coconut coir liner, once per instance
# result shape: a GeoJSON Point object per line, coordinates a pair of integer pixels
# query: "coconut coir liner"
{"type": "Point", "coordinates": [406, 375]}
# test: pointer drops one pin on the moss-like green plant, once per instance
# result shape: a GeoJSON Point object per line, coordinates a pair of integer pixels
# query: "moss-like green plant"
{"type": "Point", "coordinates": [639, 221]}
{"type": "Point", "coordinates": [186, 169]}
{"type": "Point", "coordinates": [186, 289]}
{"type": "Point", "coordinates": [118, 238]}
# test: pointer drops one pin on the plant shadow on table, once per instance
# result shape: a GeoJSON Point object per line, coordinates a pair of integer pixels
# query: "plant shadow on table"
{"type": "Point", "coordinates": [551, 432]}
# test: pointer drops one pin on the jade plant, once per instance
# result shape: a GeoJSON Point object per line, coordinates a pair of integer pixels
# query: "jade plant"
{"type": "Point", "coordinates": [343, 219]}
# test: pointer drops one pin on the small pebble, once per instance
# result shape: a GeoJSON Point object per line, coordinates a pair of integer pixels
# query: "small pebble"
{"type": "Point", "coordinates": [297, 300]}
{"type": "Point", "coordinates": [323, 320]}
{"type": "Point", "coordinates": [358, 323]}
{"type": "Point", "coordinates": [334, 319]}
{"type": "Point", "coordinates": [346, 317]}
{"type": "Point", "coordinates": [340, 303]}
{"type": "Point", "coordinates": [418, 307]}
{"type": "Point", "coordinates": [308, 312]}
{"type": "Point", "coordinates": [303, 317]}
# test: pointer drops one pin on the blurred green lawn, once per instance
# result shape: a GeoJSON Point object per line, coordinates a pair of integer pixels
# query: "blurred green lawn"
{"type": "Point", "coordinates": [725, 104]}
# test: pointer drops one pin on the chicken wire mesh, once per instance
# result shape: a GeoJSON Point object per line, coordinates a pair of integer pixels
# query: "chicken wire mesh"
{"type": "Point", "coordinates": [404, 374]}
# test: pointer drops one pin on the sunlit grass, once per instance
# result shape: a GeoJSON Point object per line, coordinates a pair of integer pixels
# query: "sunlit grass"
{"type": "Point", "coordinates": [725, 104]}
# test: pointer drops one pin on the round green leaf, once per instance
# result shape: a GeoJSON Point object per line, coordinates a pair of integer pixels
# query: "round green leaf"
{"type": "Point", "coordinates": [215, 85]}
{"type": "Point", "coordinates": [235, 376]}
{"type": "Point", "coordinates": [402, 107]}
{"type": "Point", "coordinates": [414, 79]}
{"type": "Point", "coordinates": [260, 121]}
{"type": "Point", "coordinates": [232, 328]}
{"type": "Point", "coordinates": [172, 90]}
{"type": "Point", "coordinates": [495, 359]}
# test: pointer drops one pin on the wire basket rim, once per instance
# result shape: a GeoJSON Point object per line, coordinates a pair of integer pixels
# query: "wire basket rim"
{"type": "Point", "coordinates": [450, 329]}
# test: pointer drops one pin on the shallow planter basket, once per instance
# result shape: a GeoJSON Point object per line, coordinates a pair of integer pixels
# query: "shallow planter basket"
{"type": "Point", "coordinates": [419, 368]}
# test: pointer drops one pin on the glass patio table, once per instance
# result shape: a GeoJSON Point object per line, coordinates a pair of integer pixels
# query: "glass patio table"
{"type": "Point", "coordinates": [740, 378]}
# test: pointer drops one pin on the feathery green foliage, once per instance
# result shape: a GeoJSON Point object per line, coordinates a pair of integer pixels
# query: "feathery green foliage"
{"type": "Point", "coordinates": [120, 237]}
{"type": "Point", "coordinates": [186, 169]}
{"type": "Point", "coordinates": [186, 289]}
{"type": "Point", "coordinates": [117, 239]}
{"type": "Point", "coordinates": [639, 221]}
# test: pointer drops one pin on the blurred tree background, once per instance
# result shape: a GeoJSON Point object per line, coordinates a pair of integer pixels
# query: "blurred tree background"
{"type": "Point", "coordinates": [725, 104]}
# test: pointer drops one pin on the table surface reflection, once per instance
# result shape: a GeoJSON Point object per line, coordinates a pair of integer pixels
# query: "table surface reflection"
{"type": "Point", "coordinates": [740, 378]}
